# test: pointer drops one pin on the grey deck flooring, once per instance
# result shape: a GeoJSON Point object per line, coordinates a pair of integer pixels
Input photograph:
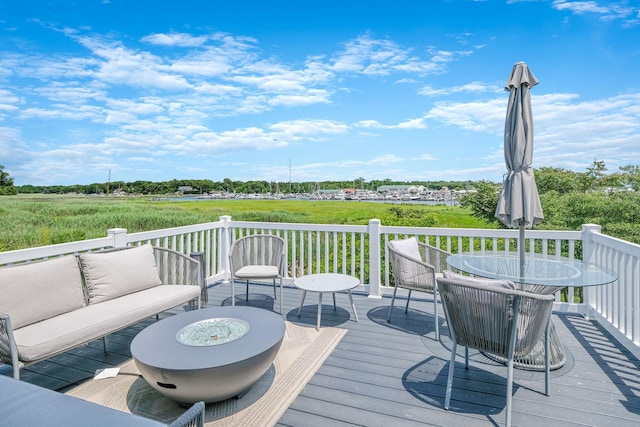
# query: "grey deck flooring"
{"type": "Point", "coordinates": [395, 374]}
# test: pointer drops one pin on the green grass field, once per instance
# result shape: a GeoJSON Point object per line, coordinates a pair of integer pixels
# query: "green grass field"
{"type": "Point", "coordinates": [40, 220]}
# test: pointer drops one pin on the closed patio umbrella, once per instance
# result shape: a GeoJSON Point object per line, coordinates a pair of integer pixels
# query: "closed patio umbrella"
{"type": "Point", "coordinates": [519, 203]}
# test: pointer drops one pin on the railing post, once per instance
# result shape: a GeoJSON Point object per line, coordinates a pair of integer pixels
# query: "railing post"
{"type": "Point", "coordinates": [374, 258]}
{"type": "Point", "coordinates": [225, 246]}
{"type": "Point", "coordinates": [118, 237]}
{"type": "Point", "coordinates": [589, 257]}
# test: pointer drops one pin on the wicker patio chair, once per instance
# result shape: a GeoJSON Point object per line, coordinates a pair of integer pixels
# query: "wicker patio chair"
{"type": "Point", "coordinates": [259, 256]}
{"type": "Point", "coordinates": [485, 316]}
{"type": "Point", "coordinates": [415, 267]}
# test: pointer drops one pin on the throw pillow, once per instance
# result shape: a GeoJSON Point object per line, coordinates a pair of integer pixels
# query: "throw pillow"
{"type": "Point", "coordinates": [479, 281]}
{"type": "Point", "coordinates": [109, 275]}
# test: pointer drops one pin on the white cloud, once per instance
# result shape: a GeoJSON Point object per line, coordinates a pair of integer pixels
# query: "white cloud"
{"type": "Point", "coordinates": [608, 12]}
{"type": "Point", "coordinates": [117, 117]}
{"type": "Point", "coordinates": [9, 102]}
{"type": "Point", "coordinates": [478, 116]}
{"type": "Point", "coordinates": [565, 128]}
{"type": "Point", "coordinates": [473, 87]}
{"type": "Point", "coordinates": [409, 124]}
{"type": "Point", "coordinates": [122, 66]}
{"type": "Point", "coordinates": [175, 39]}
{"type": "Point", "coordinates": [144, 106]}
{"type": "Point", "coordinates": [64, 112]}
{"type": "Point", "coordinates": [412, 124]}
{"type": "Point", "coordinates": [298, 128]}
{"type": "Point", "coordinates": [372, 57]}
{"type": "Point", "coordinates": [385, 160]}
{"type": "Point", "coordinates": [370, 124]}
{"type": "Point", "coordinates": [316, 96]}
{"type": "Point", "coordinates": [580, 6]}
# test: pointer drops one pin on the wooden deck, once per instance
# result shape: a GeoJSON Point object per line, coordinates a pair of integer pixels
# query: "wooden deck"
{"type": "Point", "coordinates": [395, 374]}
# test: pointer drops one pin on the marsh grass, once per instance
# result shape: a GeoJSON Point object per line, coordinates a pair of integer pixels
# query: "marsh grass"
{"type": "Point", "coordinates": [40, 220]}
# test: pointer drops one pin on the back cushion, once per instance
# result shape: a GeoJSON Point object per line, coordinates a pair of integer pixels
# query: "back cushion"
{"type": "Point", "coordinates": [40, 290]}
{"type": "Point", "coordinates": [407, 247]}
{"type": "Point", "coordinates": [404, 269]}
{"type": "Point", "coordinates": [479, 281]}
{"type": "Point", "coordinates": [109, 275]}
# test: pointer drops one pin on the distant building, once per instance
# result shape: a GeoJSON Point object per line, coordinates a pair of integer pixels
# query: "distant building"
{"type": "Point", "coordinates": [414, 189]}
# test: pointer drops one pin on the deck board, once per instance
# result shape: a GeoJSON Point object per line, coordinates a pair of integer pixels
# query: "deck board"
{"type": "Point", "coordinates": [388, 374]}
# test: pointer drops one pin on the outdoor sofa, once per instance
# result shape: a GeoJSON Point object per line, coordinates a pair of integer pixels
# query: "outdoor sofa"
{"type": "Point", "coordinates": [49, 307]}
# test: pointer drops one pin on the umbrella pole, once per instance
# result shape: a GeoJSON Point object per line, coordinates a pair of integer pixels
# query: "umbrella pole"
{"type": "Point", "coordinates": [521, 250]}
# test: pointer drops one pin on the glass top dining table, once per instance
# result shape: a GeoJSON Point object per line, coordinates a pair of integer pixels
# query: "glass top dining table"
{"type": "Point", "coordinates": [542, 275]}
{"type": "Point", "coordinates": [541, 271]}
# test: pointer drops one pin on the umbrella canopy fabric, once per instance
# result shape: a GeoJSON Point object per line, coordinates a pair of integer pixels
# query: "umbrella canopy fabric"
{"type": "Point", "coordinates": [519, 203]}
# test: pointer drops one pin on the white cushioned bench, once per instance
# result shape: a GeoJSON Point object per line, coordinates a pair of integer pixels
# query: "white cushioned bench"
{"type": "Point", "coordinates": [49, 307]}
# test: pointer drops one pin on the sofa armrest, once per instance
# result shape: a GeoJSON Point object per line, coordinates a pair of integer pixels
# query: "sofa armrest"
{"type": "Point", "coordinates": [193, 417]}
{"type": "Point", "coordinates": [8, 347]}
{"type": "Point", "coordinates": [176, 268]}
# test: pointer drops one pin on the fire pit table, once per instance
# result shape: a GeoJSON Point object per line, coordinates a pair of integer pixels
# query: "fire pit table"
{"type": "Point", "coordinates": [211, 354]}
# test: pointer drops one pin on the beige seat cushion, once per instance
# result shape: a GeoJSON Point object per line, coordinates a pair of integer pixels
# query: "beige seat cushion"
{"type": "Point", "coordinates": [110, 275]}
{"type": "Point", "coordinates": [68, 330]}
{"type": "Point", "coordinates": [36, 291]}
{"type": "Point", "coordinates": [257, 272]}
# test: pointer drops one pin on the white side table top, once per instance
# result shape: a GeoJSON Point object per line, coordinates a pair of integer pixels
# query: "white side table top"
{"type": "Point", "coordinates": [326, 282]}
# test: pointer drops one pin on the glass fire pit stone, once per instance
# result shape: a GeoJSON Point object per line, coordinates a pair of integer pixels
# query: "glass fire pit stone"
{"type": "Point", "coordinates": [210, 332]}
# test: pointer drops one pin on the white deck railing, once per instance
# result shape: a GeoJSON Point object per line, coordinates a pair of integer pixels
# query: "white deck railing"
{"type": "Point", "coordinates": [361, 251]}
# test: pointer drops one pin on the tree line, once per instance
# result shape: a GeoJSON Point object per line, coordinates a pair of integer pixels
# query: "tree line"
{"type": "Point", "coordinates": [200, 186]}
{"type": "Point", "coordinates": [570, 199]}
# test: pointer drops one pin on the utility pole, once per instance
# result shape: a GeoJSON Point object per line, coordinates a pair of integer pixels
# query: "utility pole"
{"type": "Point", "coordinates": [108, 182]}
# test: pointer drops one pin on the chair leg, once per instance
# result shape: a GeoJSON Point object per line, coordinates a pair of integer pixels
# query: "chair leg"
{"type": "Point", "coordinates": [104, 343]}
{"type": "Point", "coordinates": [406, 307]}
{"type": "Point", "coordinates": [466, 358]}
{"type": "Point", "coordinates": [509, 390]}
{"type": "Point", "coordinates": [247, 295]}
{"type": "Point", "coordinates": [435, 312]}
{"type": "Point", "coordinates": [233, 292]}
{"type": "Point", "coordinates": [393, 299]}
{"type": "Point", "coordinates": [512, 346]}
{"type": "Point", "coordinates": [547, 373]}
{"type": "Point", "coordinates": [452, 363]}
{"type": "Point", "coordinates": [281, 309]}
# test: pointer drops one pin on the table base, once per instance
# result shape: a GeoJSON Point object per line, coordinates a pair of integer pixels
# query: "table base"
{"type": "Point", "coordinates": [304, 294]}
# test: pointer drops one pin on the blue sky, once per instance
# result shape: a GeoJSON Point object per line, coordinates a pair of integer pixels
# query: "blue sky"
{"type": "Point", "coordinates": [332, 90]}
